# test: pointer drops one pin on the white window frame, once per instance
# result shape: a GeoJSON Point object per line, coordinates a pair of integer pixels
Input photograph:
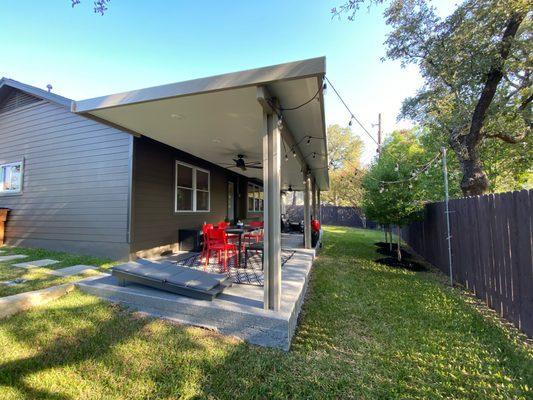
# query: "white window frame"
{"type": "Point", "coordinates": [10, 164]}
{"type": "Point", "coordinates": [194, 189]}
{"type": "Point", "coordinates": [256, 190]}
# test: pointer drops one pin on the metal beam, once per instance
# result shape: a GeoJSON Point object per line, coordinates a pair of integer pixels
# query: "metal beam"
{"type": "Point", "coordinates": [272, 212]}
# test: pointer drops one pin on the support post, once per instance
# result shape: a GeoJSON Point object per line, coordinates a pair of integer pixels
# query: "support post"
{"type": "Point", "coordinates": [307, 211]}
{"type": "Point", "coordinates": [313, 199]}
{"type": "Point", "coordinates": [272, 212]}
{"type": "Point", "coordinates": [319, 205]}
{"type": "Point", "coordinates": [447, 200]}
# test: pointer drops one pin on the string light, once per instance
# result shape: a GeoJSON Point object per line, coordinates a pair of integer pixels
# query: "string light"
{"type": "Point", "coordinates": [413, 175]}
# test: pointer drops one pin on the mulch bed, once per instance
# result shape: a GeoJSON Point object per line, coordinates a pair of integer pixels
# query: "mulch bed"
{"type": "Point", "coordinates": [386, 252]}
{"type": "Point", "coordinates": [408, 264]}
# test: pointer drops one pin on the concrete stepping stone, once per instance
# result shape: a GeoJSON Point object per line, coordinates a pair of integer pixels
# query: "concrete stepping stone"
{"type": "Point", "coordinates": [36, 263]}
{"type": "Point", "coordinates": [11, 258]}
{"type": "Point", "coordinates": [2, 251]}
{"type": "Point", "coordinates": [74, 270]}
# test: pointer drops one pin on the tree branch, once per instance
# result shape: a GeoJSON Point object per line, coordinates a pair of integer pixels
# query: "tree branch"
{"type": "Point", "coordinates": [494, 76]}
{"type": "Point", "coordinates": [509, 139]}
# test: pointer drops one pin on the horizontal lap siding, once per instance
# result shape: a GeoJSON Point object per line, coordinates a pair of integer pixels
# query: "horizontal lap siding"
{"type": "Point", "coordinates": [154, 221]}
{"type": "Point", "coordinates": [76, 181]}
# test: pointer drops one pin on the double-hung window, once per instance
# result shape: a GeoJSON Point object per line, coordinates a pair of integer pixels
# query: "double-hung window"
{"type": "Point", "coordinates": [255, 198]}
{"type": "Point", "coordinates": [11, 177]}
{"type": "Point", "coordinates": [192, 188]}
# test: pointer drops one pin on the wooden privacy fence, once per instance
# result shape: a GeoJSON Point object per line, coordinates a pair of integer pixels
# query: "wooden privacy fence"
{"type": "Point", "coordinates": [491, 240]}
{"type": "Point", "coordinates": [333, 215]}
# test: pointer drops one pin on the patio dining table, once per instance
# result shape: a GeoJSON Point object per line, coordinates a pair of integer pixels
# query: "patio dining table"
{"type": "Point", "coordinates": [240, 231]}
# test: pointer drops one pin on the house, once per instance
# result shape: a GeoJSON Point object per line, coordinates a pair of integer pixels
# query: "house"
{"type": "Point", "coordinates": [128, 174]}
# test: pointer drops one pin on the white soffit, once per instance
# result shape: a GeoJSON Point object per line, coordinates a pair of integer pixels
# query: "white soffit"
{"type": "Point", "coordinates": [219, 117]}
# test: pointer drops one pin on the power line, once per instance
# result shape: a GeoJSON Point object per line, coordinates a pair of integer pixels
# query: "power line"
{"type": "Point", "coordinates": [350, 111]}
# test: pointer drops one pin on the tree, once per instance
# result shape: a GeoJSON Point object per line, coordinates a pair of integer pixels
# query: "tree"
{"type": "Point", "coordinates": [392, 196]}
{"type": "Point", "coordinates": [344, 153]}
{"type": "Point", "coordinates": [477, 66]}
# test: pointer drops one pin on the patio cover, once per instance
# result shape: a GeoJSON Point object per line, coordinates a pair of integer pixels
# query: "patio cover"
{"type": "Point", "coordinates": [218, 117]}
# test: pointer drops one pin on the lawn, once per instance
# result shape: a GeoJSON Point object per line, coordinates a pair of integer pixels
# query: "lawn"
{"type": "Point", "coordinates": [367, 331]}
{"type": "Point", "coordinates": [37, 278]}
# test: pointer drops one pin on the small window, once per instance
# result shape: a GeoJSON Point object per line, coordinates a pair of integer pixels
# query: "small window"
{"type": "Point", "coordinates": [192, 188]}
{"type": "Point", "coordinates": [11, 177]}
{"type": "Point", "coordinates": [255, 198]}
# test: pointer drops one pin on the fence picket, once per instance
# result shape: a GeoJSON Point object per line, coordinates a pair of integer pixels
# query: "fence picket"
{"type": "Point", "coordinates": [492, 252]}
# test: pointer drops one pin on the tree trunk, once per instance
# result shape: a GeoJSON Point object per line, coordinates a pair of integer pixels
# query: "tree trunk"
{"type": "Point", "coordinates": [386, 237]}
{"type": "Point", "coordinates": [390, 235]}
{"type": "Point", "coordinates": [399, 250]}
{"type": "Point", "coordinates": [475, 182]}
{"type": "Point", "coordinates": [466, 143]}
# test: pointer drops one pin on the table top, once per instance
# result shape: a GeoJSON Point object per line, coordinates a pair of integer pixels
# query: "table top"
{"type": "Point", "coordinates": [245, 228]}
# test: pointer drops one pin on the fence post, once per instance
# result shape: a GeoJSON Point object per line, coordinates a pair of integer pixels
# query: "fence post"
{"type": "Point", "coordinates": [445, 171]}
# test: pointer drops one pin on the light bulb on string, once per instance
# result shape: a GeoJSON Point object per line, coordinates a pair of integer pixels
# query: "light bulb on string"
{"type": "Point", "coordinates": [294, 153]}
{"type": "Point", "coordinates": [410, 186]}
{"type": "Point", "coordinates": [397, 168]}
{"type": "Point", "coordinates": [286, 157]}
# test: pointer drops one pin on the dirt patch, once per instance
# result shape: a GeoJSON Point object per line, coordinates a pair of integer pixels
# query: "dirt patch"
{"type": "Point", "coordinates": [408, 264]}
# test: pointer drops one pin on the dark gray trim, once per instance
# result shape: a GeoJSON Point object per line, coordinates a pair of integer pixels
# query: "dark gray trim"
{"type": "Point", "coordinates": [42, 94]}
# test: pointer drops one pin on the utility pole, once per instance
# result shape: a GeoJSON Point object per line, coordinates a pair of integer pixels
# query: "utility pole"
{"type": "Point", "coordinates": [449, 236]}
{"type": "Point", "coordinates": [379, 134]}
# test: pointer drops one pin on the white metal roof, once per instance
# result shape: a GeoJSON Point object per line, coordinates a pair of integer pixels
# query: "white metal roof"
{"type": "Point", "coordinates": [218, 117]}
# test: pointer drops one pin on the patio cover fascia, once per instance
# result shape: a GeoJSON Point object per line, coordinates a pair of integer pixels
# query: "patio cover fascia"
{"type": "Point", "coordinates": [269, 128]}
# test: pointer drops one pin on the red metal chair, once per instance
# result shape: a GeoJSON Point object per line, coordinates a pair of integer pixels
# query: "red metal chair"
{"type": "Point", "coordinates": [217, 241]}
{"type": "Point", "coordinates": [223, 225]}
{"type": "Point", "coordinates": [205, 228]}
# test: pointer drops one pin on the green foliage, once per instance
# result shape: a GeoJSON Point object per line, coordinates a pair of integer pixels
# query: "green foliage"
{"type": "Point", "coordinates": [478, 87]}
{"type": "Point", "coordinates": [396, 203]}
{"type": "Point", "coordinates": [366, 332]}
{"type": "Point", "coordinates": [344, 153]}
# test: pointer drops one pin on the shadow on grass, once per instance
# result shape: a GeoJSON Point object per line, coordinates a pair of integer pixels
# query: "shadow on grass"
{"type": "Point", "coordinates": [105, 327]}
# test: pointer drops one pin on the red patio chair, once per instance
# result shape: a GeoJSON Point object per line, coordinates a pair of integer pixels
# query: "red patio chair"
{"type": "Point", "coordinates": [205, 228]}
{"type": "Point", "coordinates": [223, 225]}
{"type": "Point", "coordinates": [217, 241]}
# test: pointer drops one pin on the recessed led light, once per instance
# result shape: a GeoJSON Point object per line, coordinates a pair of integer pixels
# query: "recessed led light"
{"type": "Point", "coordinates": [217, 140]}
{"type": "Point", "coordinates": [177, 116]}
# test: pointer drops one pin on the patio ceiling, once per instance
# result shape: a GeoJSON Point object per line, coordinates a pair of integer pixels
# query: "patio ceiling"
{"type": "Point", "coordinates": [219, 117]}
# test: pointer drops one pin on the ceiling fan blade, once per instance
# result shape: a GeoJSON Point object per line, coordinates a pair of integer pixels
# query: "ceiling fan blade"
{"type": "Point", "coordinates": [255, 166]}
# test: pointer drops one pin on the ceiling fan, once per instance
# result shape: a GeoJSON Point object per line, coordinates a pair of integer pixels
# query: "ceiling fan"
{"type": "Point", "coordinates": [243, 165]}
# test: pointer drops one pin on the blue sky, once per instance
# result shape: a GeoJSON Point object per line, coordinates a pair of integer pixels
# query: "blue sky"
{"type": "Point", "coordinates": [142, 43]}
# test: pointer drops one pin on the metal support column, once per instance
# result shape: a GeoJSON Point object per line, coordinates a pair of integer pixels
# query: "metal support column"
{"type": "Point", "coordinates": [272, 212]}
{"type": "Point", "coordinates": [307, 211]}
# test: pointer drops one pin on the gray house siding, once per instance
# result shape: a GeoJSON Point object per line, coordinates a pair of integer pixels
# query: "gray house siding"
{"type": "Point", "coordinates": [76, 183]}
{"type": "Point", "coordinates": [155, 223]}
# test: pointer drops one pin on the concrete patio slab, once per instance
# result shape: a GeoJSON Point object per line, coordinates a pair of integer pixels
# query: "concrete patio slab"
{"type": "Point", "coordinates": [36, 263]}
{"type": "Point", "coordinates": [11, 258]}
{"type": "Point", "coordinates": [238, 311]}
{"type": "Point", "coordinates": [74, 270]}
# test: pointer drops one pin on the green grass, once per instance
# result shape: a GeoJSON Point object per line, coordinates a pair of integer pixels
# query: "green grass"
{"type": "Point", "coordinates": [367, 331]}
{"type": "Point", "coordinates": [37, 278]}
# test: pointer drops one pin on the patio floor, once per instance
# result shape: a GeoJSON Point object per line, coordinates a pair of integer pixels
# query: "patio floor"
{"type": "Point", "coordinates": [238, 311]}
